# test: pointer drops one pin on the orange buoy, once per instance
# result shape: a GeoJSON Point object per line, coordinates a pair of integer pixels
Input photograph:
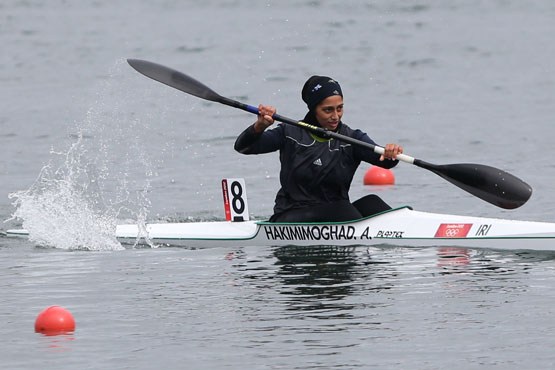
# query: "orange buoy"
{"type": "Point", "coordinates": [54, 320]}
{"type": "Point", "coordinates": [378, 176]}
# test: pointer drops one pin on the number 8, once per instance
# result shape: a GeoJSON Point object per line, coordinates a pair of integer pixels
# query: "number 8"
{"type": "Point", "coordinates": [237, 192]}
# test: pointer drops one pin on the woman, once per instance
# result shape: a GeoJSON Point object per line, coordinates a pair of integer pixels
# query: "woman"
{"type": "Point", "coordinates": [316, 173]}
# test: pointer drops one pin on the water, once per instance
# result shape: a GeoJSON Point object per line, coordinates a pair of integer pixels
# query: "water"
{"type": "Point", "coordinates": [87, 142]}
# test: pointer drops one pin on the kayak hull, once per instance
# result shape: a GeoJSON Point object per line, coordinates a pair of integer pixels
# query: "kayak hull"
{"type": "Point", "coordinates": [398, 227]}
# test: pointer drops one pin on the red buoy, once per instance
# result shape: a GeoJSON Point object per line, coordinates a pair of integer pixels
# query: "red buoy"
{"type": "Point", "coordinates": [378, 176]}
{"type": "Point", "coordinates": [54, 320]}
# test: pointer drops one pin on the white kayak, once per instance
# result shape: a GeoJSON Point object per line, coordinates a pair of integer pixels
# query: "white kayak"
{"type": "Point", "coordinates": [397, 227]}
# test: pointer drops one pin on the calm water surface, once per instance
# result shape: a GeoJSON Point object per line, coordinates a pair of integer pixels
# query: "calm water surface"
{"type": "Point", "coordinates": [94, 143]}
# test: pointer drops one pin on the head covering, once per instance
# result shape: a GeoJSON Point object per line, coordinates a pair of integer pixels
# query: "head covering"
{"type": "Point", "coordinates": [318, 88]}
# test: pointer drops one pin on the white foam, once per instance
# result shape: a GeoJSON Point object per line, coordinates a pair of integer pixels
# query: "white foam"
{"type": "Point", "coordinates": [80, 193]}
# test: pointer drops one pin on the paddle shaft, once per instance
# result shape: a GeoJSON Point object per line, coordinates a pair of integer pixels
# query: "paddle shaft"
{"type": "Point", "coordinates": [487, 183]}
{"type": "Point", "coordinates": [318, 130]}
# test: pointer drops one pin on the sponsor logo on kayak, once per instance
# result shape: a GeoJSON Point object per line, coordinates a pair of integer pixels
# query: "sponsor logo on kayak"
{"type": "Point", "coordinates": [452, 230]}
{"type": "Point", "coordinates": [390, 234]}
{"type": "Point", "coordinates": [310, 232]}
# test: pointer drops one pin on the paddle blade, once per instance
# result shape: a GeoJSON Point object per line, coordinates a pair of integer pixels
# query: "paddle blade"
{"type": "Point", "coordinates": [174, 79]}
{"type": "Point", "coordinates": [488, 183]}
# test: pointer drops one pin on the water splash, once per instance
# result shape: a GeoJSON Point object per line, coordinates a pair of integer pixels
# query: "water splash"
{"type": "Point", "coordinates": [104, 176]}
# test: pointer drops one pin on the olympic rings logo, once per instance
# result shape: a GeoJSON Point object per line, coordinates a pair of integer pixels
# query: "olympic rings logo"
{"type": "Point", "coordinates": [451, 233]}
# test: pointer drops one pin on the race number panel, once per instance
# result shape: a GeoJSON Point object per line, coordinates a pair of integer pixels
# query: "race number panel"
{"type": "Point", "coordinates": [235, 200]}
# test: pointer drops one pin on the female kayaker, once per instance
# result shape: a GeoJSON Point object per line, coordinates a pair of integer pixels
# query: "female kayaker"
{"type": "Point", "coordinates": [316, 173]}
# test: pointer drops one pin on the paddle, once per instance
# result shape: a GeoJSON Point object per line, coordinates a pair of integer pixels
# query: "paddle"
{"type": "Point", "coordinates": [488, 183]}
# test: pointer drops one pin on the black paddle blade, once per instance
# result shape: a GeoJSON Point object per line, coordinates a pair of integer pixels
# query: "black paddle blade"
{"type": "Point", "coordinates": [488, 183]}
{"type": "Point", "coordinates": [174, 79]}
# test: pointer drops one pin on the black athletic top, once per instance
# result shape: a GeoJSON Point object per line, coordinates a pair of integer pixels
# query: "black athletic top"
{"type": "Point", "coordinates": [314, 171]}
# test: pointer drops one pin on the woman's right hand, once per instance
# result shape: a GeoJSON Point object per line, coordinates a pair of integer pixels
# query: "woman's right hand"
{"type": "Point", "coordinates": [265, 120]}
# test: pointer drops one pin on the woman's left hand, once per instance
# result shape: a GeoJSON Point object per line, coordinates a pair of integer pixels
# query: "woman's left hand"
{"type": "Point", "coordinates": [391, 151]}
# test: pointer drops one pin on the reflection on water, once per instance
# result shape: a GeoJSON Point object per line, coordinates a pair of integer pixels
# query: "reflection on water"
{"type": "Point", "coordinates": [452, 257]}
{"type": "Point", "coordinates": [322, 279]}
{"type": "Point", "coordinates": [58, 342]}
{"type": "Point", "coordinates": [328, 277]}
{"type": "Point", "coordinates": [323, 253]}
{"type": "Point", "coordinates": [316, 279]}
{"type": "Point", "coordinates": [341, 297]}
{"type": "Point", "coordinates": [488, 262]}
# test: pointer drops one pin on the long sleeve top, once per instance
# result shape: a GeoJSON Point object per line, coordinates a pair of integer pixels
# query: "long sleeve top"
{"type": "Point", "coordinates": [313, 170]}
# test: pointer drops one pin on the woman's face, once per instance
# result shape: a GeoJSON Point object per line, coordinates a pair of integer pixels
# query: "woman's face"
{"type": "Point", "coordinates": [329, 112]}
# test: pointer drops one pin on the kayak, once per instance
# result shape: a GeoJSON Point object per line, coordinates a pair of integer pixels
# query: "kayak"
{"type": "Point", "coordinates": [396, 227]}
{"type": "Point", "coordinates": [402, 227]}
